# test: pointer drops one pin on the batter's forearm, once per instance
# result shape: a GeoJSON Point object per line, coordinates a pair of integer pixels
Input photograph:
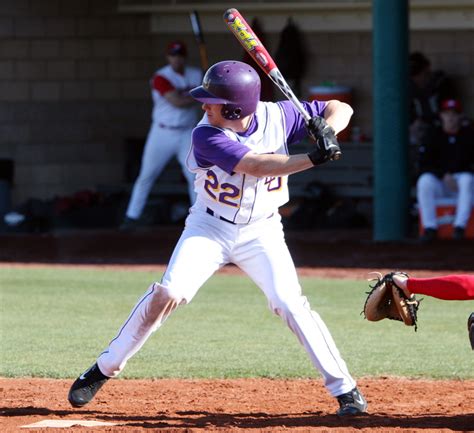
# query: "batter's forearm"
{"type": "Point", "coordinates": [338, 114]}
{"type": "Point", "coordinates": [272, 164]}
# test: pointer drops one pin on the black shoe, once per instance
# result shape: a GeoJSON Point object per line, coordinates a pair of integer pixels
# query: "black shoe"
{"type": "Point", "coordinates": [351, 403]}
{"type": "Point", "coordinates": [458, 233]}
{"type": "Point", "coordinates": [129, 225]}
{"type": "Point", "coordinates": [85, 387]}
{"type": "Point", "coordinates": [429, 235]}
{"type": "Point", "coordinates": [470, 328]}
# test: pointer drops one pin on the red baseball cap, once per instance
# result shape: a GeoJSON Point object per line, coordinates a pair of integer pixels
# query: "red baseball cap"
{"type": "Point", "coordinates": [451, 104]}
{"type": "Point", "coordinates": [176, 48]}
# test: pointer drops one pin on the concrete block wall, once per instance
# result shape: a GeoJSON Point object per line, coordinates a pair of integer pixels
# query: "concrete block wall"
{"type": "Point", "coordinates": [74, 84]}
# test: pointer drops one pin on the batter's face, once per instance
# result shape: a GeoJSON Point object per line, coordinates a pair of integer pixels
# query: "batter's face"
{"type": "Point", "coordinates": [214, 115]}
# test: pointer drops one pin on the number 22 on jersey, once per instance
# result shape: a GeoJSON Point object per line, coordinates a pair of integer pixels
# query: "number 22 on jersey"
{"type": "Point", "coordinates": [230, 194]}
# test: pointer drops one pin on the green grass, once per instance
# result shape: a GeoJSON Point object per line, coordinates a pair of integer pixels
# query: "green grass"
{"type": "Point", "coordinates": [54, 322]}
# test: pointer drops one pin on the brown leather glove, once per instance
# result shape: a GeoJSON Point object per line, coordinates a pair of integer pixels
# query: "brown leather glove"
{"type": "Point", "coordinates": [388, 301]}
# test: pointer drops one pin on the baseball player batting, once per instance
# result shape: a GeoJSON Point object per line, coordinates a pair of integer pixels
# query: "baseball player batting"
{"type": "Point", "coordinates": [240, 155]}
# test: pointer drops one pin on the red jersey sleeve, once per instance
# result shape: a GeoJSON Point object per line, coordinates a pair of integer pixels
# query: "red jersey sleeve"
{"type": "Point", "coordinates": [161, 84]}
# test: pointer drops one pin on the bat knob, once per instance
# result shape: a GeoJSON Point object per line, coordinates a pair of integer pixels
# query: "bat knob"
{"type": "Point", "coordinates": [336, 155]}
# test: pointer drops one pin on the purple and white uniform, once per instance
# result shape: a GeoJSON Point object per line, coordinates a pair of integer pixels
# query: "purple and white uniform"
{"type": "Point", "coordinates": [235, 220]}
{"type": "Point", "coordinates": [215, 152]}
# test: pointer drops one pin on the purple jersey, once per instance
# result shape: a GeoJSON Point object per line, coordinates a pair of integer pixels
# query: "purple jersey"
{"type": "Point", "coordinates": [213, 147]}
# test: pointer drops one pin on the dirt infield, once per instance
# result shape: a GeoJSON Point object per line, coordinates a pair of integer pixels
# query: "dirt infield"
{"type": "Point", "coordinates": [242, 405]}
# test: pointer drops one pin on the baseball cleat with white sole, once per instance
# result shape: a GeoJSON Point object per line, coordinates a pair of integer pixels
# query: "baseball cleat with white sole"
{"type": "Point", "coordinates": [351, 403]}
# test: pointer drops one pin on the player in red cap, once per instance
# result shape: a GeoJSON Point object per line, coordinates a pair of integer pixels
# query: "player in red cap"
{"type": "Point", "coordinates": [174, 115]}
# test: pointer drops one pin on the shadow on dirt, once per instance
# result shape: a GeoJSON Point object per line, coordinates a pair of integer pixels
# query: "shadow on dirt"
{"type": "Point", "coordinates": [258, 420]}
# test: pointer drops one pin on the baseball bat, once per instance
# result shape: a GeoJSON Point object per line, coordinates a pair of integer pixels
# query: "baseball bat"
{"type": "Point", "coordinates": [251, 43]}
{"type": "Point", "coordinates": [198, 34]}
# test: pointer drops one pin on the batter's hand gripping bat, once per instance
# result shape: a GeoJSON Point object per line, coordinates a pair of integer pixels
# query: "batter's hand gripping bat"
{"type": "Point", "coordinates": [249, 40]}
{"type": "Point", "coordinates": [197, 30]}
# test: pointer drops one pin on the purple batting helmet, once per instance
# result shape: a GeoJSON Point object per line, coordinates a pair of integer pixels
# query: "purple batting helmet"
{"type": "Point", "coordinates": [234, 84]}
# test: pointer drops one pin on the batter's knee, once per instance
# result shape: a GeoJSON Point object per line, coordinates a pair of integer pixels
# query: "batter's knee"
{"type": "Point", "coordinates": [161, 303]}
{"type": "Point", "coordinates": [284, 307]}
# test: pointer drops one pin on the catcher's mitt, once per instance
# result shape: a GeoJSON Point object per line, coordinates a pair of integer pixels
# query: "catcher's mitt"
{"type": "Point", "coordinates": [388, 301]}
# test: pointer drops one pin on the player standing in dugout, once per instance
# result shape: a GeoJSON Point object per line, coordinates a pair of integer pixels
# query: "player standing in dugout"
{"type": "Point", "coordinates": [173, 119]}
{"type": "Point", "coordinates": [240, 156]}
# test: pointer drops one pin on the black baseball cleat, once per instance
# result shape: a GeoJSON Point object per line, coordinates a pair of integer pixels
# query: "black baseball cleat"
{"type": "Point", "coordinates": [351, 403]}
{"type": "Point", "coordinates": [470, 329]}
{"type": "Point", "coordinates": [85, 387]}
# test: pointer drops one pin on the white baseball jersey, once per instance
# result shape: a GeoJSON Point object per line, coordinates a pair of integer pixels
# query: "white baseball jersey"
{"type": "Point", "coordinates": [169, 136]}
{"type": "Point", "coordinates": [166, 113]}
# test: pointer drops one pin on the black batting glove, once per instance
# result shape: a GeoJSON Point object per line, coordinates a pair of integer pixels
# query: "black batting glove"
{"type": "Point", "coordinates": [327, 146]}
{"type": "Point", "coordinates": [318, 127]}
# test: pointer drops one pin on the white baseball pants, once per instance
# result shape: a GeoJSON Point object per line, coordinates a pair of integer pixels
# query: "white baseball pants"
{"type": "Point", "coordinates": [429, 188]}
{"type": "Point", "coordinates": [259, 249]}
{"type": "Point", "coordinates": [161, 145]}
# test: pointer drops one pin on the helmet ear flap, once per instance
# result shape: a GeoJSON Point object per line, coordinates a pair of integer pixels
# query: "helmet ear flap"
{"type": "Point", "coordinates": [231, 112]}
